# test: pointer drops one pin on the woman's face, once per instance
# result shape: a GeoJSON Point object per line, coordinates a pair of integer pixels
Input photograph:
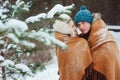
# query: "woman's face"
{"type": "Point", "coordinates": [84, 27]}
{"type": "Point", "coordinates": [72, 26]}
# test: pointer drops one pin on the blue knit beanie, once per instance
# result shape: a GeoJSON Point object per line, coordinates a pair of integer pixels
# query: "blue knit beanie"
{"type": "Point", "coordinates": [83, 15]}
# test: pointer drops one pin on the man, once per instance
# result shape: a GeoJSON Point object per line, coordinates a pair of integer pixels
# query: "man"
{"type": "Point", "coordinates": [72, 61]}
{"type": "Point", "coordinates": [104, 50]}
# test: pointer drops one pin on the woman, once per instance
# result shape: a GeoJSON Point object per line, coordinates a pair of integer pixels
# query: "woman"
{"type": "Point", "coordinates": [104, 50]}
{"type": "Point", "coordinates": [72, 61]}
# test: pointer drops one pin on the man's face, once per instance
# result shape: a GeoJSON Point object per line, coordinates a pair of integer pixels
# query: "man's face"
{"type": "Point", "coordinates": [84, 27]}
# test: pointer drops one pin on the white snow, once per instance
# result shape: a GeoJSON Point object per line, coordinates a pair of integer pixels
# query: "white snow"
{"type": "Point", "coordinates": [51, 72]}
{"type": "Point", "coordinates": [36, 18]}
{"type": "Point", "coordinates": [7, 63]}
{"type": "Point", "coordinates": [1, 58]}
{"type": "Point", "coordinates": [22, 67]}
{"type": "Point", "coordinates": [56, 9]}
{"type": "Point", "coordinates": [13, 37]}
{"type": "Point", "coordinates": [27, 44]}
{"type": "Point", "coordinates": [18, 3]}
{"type": "Point", "coordinates": [3, 11]}
{"type": "Point", "coordinates": [116, 35]}
{"type": "Point", "coordinates": [114, 27]}
{"type": "Point", "coordinates": [2, 26]}
{"type": "Point", "coordinates": [17, 25]}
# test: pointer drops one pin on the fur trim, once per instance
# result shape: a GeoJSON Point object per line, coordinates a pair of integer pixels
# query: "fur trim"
{"type": "Point", "coordinates": [61, 27]}
{"type": "Point", "coordinates": [96, 16]}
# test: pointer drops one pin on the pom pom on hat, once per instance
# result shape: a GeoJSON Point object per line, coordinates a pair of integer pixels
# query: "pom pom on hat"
{"type": "Point", "coordinates": [83, 15]}
{"type": "Point", "coordinates": [83, 7]}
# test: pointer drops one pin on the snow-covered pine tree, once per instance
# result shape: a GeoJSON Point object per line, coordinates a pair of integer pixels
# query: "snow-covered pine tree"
{"type": "Point", "coordinates": [16, 39]}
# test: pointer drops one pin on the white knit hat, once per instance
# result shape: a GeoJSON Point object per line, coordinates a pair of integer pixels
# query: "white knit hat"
{"type": "Point", "coordinates": [62, 25]}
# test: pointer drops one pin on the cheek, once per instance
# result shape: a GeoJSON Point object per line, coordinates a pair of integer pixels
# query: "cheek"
{"type": "Point", "coordinates": [88, 26]}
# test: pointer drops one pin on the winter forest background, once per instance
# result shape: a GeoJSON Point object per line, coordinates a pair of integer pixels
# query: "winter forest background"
{"type": "Point", "coordinates": [27, 43]}
{"type": "Point", "coordinates": [110, 9]}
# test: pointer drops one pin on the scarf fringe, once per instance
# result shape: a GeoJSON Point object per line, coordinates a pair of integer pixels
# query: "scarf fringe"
{"type": "Point", "coordinates": [91, 74]}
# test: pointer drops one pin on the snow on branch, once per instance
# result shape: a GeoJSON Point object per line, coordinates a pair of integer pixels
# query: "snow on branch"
{"type": "Point", "coordinates": [22, 67]}
{"type": "Point", "coordinates": [33, 19]}
{"type": "Point", "coordinates": [20, 4]}
{"type": "Point", "coordinates": [13, 37]}
{"type": "Point", "coordinates": [59, 9]}
{"type": "Point", "coordinates": [7, 63]}
{"type": "Point", "coordinates": [27, 43]}
{"type": "Point", "coordinates": [1, 59]}
{"type": "Point", "coordinates": [16, 25]}
{"type": "Point", "coordinates": [2, 26]}
{"type": "Point", "coordinates": [56, 9]}
{"type": "Point", "coordinates": [46, 38]}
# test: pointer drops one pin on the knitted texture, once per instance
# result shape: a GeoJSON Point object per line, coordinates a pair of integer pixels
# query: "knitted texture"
{"type": "Point", "coordinates": [83, 15]}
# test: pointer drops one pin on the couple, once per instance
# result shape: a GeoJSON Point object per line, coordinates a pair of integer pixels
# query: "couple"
{"type": "Point", "coordinates": [91, 55]}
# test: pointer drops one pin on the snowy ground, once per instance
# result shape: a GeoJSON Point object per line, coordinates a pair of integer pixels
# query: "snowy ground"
{"type": "Point", "coordinates": [117, 37]}
{"type": "Point", "coordinates": [49, 74]}
{"type": "Point", "coordinates": [51, 69]}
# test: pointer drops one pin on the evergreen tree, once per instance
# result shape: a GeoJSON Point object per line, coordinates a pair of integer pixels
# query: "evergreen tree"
{"type": "Point", "coordinates": [16, 38]}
